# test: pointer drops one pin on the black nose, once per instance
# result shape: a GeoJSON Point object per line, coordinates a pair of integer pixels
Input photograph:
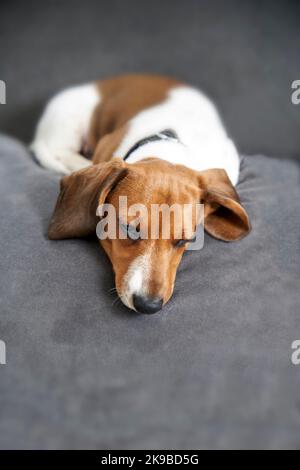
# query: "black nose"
{"type": "Point", "coordinates": [147, 304]}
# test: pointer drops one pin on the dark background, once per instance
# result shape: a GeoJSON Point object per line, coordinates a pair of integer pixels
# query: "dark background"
{"type": "Point", "coordinates": [244, 54]}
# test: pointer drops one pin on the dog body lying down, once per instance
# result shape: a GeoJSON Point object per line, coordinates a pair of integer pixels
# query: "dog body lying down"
{"type": "Point", "coordinates": [154, 140]}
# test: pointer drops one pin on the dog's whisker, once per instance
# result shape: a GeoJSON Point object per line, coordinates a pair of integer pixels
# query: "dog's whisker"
{"type": "Point", "coordinates": [112, 290]}
{"type": "Point", "coordinates": [116, 300]}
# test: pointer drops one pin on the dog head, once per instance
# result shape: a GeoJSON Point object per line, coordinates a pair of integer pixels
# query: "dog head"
{"type": "Point", "coordinates": [145, 265]}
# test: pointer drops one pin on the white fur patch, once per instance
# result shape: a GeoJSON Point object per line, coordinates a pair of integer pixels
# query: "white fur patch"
{"type": "Point", "coordinates": [136, 279]}
{"type": "Point", "coordinates": [63, 127]}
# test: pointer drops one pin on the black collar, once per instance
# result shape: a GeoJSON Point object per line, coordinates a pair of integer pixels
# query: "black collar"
{"type": "Point", "coordinates": [167, 134]}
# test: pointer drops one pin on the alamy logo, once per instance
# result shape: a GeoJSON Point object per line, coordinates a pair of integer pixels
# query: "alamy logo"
{"type": "Point", "coordinates": [295, 357]}
{"type": "Point", "coordinates": [2, 353]}
{"type": "Point", "coordinates": [296, 94]}
{"type": "Point", "coordinates": [2, 92]}
{"type": "Point", "coordinates": [178, 222]}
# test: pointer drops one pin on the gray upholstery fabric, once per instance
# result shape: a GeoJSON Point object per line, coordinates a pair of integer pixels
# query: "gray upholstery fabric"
{"type": "Point", "coordinates": [213, 370]}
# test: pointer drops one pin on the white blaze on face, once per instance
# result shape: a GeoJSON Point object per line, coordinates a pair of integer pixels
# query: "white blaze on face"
{"type": "Point", "coordinates": [136, 279]}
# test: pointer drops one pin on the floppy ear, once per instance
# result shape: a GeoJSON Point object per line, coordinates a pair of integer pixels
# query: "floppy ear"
{"type": "Point", "coordinates": [224, 216]}
{"type": "Point", "coordinates": [80, 194]}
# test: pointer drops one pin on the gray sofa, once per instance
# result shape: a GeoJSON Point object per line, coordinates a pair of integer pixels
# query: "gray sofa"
{"type": "Point", "coordinates": [214, 369]}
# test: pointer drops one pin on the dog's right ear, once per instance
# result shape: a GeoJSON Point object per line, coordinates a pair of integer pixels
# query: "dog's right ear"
{"type": "Point", "coordinates": [80, 194]}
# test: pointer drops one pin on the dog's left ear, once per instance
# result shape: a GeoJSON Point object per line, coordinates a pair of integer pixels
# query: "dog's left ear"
{"type": "Point", "coordinates": [224, 216]}
{"type": "Point", "coordinates": [80, 194]}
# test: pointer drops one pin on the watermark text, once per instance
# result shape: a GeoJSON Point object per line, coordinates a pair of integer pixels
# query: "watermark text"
{"type": "Point", "coordinates": [179, 223]}
{"type": "Point", "coordinates": [295, 357]}
{"type": "Point", "coordinates": [2, 352]}
{"type": "Point", "coordinates": [2, 92]}
{"type": "Point", "coordinates": [295, 97]}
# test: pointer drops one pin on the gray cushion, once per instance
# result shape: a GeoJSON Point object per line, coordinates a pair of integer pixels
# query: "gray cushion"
{"type": "Point", "coordinates": [213, 370]}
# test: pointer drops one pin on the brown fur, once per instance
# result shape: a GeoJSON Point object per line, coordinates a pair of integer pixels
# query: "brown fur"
{"type": "Point", "coordinates": [82, 191]}
{"type": "Point", "coordinates": [121, 99]}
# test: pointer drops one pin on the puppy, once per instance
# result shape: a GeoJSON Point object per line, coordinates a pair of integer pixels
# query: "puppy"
{"type": "Point", "coordinates": [153, 140]}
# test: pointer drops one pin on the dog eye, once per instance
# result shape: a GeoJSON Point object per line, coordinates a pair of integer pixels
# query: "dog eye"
{"type": "Point", "coordinates": [183, 242]}
{"type": "Point", "coordinates": [132, 233]}
{"type": "Point", "coordinates": [180, 243]}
